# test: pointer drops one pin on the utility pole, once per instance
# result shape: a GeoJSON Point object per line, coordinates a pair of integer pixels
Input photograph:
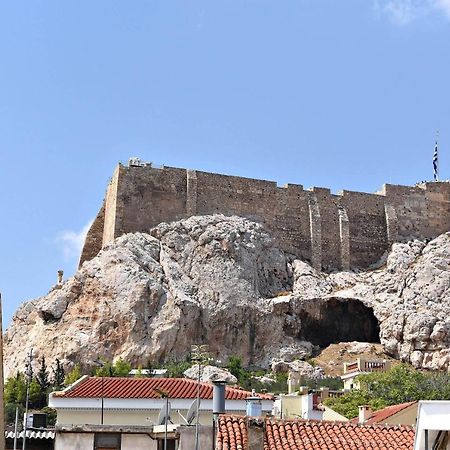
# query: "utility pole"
{"type": "Point", "coordinates": [29, 373]}
{"type": "Point", "coordinates": [101, 365]}
{"type": "Point", "coordinates": [16, 426]}
{"type": "Point", "coordinates": [2, 382]}
{"type": "Point", "coordinates": [200, 355]}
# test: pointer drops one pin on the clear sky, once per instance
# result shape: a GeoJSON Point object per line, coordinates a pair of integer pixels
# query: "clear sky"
{"type": "Point", "coordinates": [343, 94]}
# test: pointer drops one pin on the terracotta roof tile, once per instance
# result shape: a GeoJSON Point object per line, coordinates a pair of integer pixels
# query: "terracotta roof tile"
{"type": "Point", "coordinates": [232, 433]}
{"type": "Point", "coordinates": [381, 415]}
{"type": "Point", "coordinates": [314, 435]}
{"type": "Point", "coordinates": [91, 387]}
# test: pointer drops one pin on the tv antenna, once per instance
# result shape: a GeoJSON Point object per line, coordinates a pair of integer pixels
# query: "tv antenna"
{"type": "Point", "coordinates": [192, 412]}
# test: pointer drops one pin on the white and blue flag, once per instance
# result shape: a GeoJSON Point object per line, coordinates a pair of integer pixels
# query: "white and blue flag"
{"type": "Point", "coordinates": [435, 163]}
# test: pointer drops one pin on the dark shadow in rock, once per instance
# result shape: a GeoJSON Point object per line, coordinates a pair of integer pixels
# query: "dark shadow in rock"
{"type": "Point", "coordinates": [339, 320]}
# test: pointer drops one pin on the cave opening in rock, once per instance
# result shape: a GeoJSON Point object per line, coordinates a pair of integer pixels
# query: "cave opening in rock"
{"type": "Point", "coordinates": [340, 320]}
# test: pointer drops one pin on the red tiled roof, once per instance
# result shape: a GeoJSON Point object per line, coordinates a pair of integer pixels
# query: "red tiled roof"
{"type": "Point", "coordinates": [381, 415]}
{"type": "Point", "coordinates": [232, 433]}
{"type": "Point", "coordinates": [91, 387]}
{"type": "Point", "coordinates": [309, 435]}
{"type": "Point", "coordinates": [315, 435]}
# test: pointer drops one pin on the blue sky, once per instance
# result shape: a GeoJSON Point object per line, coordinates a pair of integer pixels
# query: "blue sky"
{"type": "Point", "coordinates": [343, 94]}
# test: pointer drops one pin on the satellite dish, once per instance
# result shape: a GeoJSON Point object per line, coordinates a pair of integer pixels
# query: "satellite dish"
{"type": "Point", "coordinates": [193, 410]}
{"type": "Point", "coordinates": [164, 414]}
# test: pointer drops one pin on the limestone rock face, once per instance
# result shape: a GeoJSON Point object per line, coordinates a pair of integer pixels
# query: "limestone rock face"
{"type": "Point", "coordinates": [223, 281]}
{"type": "Point", "coordinates": [302, 368]}
{"type": "Point", "coordinates": [210, 374]}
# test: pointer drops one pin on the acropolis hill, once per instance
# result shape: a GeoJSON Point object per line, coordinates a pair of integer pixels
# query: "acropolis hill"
{"type": "Point", "coordinates": [245, 285]}
{"type": "Point", "coordinates": [345, 231]}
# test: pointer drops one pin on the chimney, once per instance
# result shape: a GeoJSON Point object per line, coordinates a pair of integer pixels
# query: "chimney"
{"type": "Point", "coordinates": [254, 405]}
{"type": "Point", "coordinates": [255, 429]}
{"type": "Point", "coordinates": [219, 397]}
{"type": "Point", "coordinates": [365, 413]}
{"type": "Point", "coordinates": [293, 382]}
{"type": "Point", "coordinates": [60, 276]}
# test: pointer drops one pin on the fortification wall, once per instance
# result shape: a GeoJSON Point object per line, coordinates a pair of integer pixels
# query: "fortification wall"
{"type": "Point", "coordinates": [110, 228]}
{"type": "Point", "coordinates": [349, 230]}
{"type": "Point", "coordinates": [367, 227]}
{"type": "Point", "coordinates": [149, 196]}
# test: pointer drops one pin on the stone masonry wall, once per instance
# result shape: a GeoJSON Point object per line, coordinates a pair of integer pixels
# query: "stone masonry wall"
{"type": "Point", "coordinates": [349, 230]}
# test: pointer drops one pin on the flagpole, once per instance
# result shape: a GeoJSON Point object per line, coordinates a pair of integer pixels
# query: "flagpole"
{"type": "Point", "coordinates": [436, 159]}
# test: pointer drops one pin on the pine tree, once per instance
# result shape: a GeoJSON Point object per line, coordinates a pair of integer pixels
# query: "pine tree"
{"type": "Point", "coordinates": [41, 386]}
{"type": "Point", "coordinates": [42, 376]}
{"type": "Point", "coordinates": [58, 375]}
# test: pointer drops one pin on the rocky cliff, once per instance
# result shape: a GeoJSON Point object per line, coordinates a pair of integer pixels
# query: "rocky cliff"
{"type": "Point", "coordinates": [223, 281]}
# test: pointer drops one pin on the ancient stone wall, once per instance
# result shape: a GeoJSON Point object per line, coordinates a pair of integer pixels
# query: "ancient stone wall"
{"type": "Point", "coordinates": [349, 230]}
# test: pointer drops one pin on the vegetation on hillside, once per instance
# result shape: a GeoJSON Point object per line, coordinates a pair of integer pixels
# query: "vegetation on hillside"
{"type": "Point", "coordinates": [41, 384]}
{"type": "Point", "coordinates": [399, 385]}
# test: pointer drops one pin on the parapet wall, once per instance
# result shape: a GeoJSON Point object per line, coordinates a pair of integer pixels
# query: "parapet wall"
{"type": "Point", "coordinates": [349, 230]}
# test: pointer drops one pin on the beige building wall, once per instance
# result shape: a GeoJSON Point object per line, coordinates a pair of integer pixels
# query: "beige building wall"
{"type": "Point", "coordinates": [330, 414]}
{"type": "Point", "coordinates": [74, 441]}
{"type": "Point", "coordinates": [291, 407]}
{"type": "Point", "coordinates": [85, 441]}
{"type": "Point", "coordinates": [408, 416]}
{"type": "Point", "coordinates": [138, 441]}
{"type": "Point", "coordinates": [351, 383]}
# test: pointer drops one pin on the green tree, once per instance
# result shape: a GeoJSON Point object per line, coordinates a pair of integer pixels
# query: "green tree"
{"type": "Point", "coordinates": [105, 370]}
{"type": "Point", "coordinates": [347, 405]}
{"type": "Point", "coordinates": [399, 385]}
{"type": "Point", "coordinates": [37, 399]}
{"type": "Point", "coordinates": [58, 376]}
{"type": "Point", "coordinates": [73, 375]}
{"type": "Point", "coordinates": [234, 365]}
{"type": "Point", "coordinates": [16, 389]}
{"type": "Point", "coordinates": [121, 368]}
{"type": "Point", "coordinates": [10, 413]}
{"type": "Point", "coordinates": [176, 369]}
{"type": "Point", "coordinates": [42, 376]}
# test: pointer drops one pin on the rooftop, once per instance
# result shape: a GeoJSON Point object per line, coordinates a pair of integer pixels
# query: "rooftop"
{"type": "Point", "coordinates": [112, 387]}
{"type": "Point", "coordinates": [381, 415]}
{"type": "Point", "coordinates": [313, 435]}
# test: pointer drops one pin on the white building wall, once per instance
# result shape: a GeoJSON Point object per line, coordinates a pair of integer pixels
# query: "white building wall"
{"type": "Point", "coordinates": [74, 441]}
{"type": "Point", "coordinates": [138, 441]}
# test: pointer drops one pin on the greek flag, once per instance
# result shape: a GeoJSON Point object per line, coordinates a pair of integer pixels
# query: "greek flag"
{"type": "Point", "coordinates": [435, 162]}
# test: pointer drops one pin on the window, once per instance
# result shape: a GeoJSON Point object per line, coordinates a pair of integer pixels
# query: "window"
{"type": "Point", "coordinates": [107, 441]}
{"type": "Point", "coordinates": [171, 444]}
